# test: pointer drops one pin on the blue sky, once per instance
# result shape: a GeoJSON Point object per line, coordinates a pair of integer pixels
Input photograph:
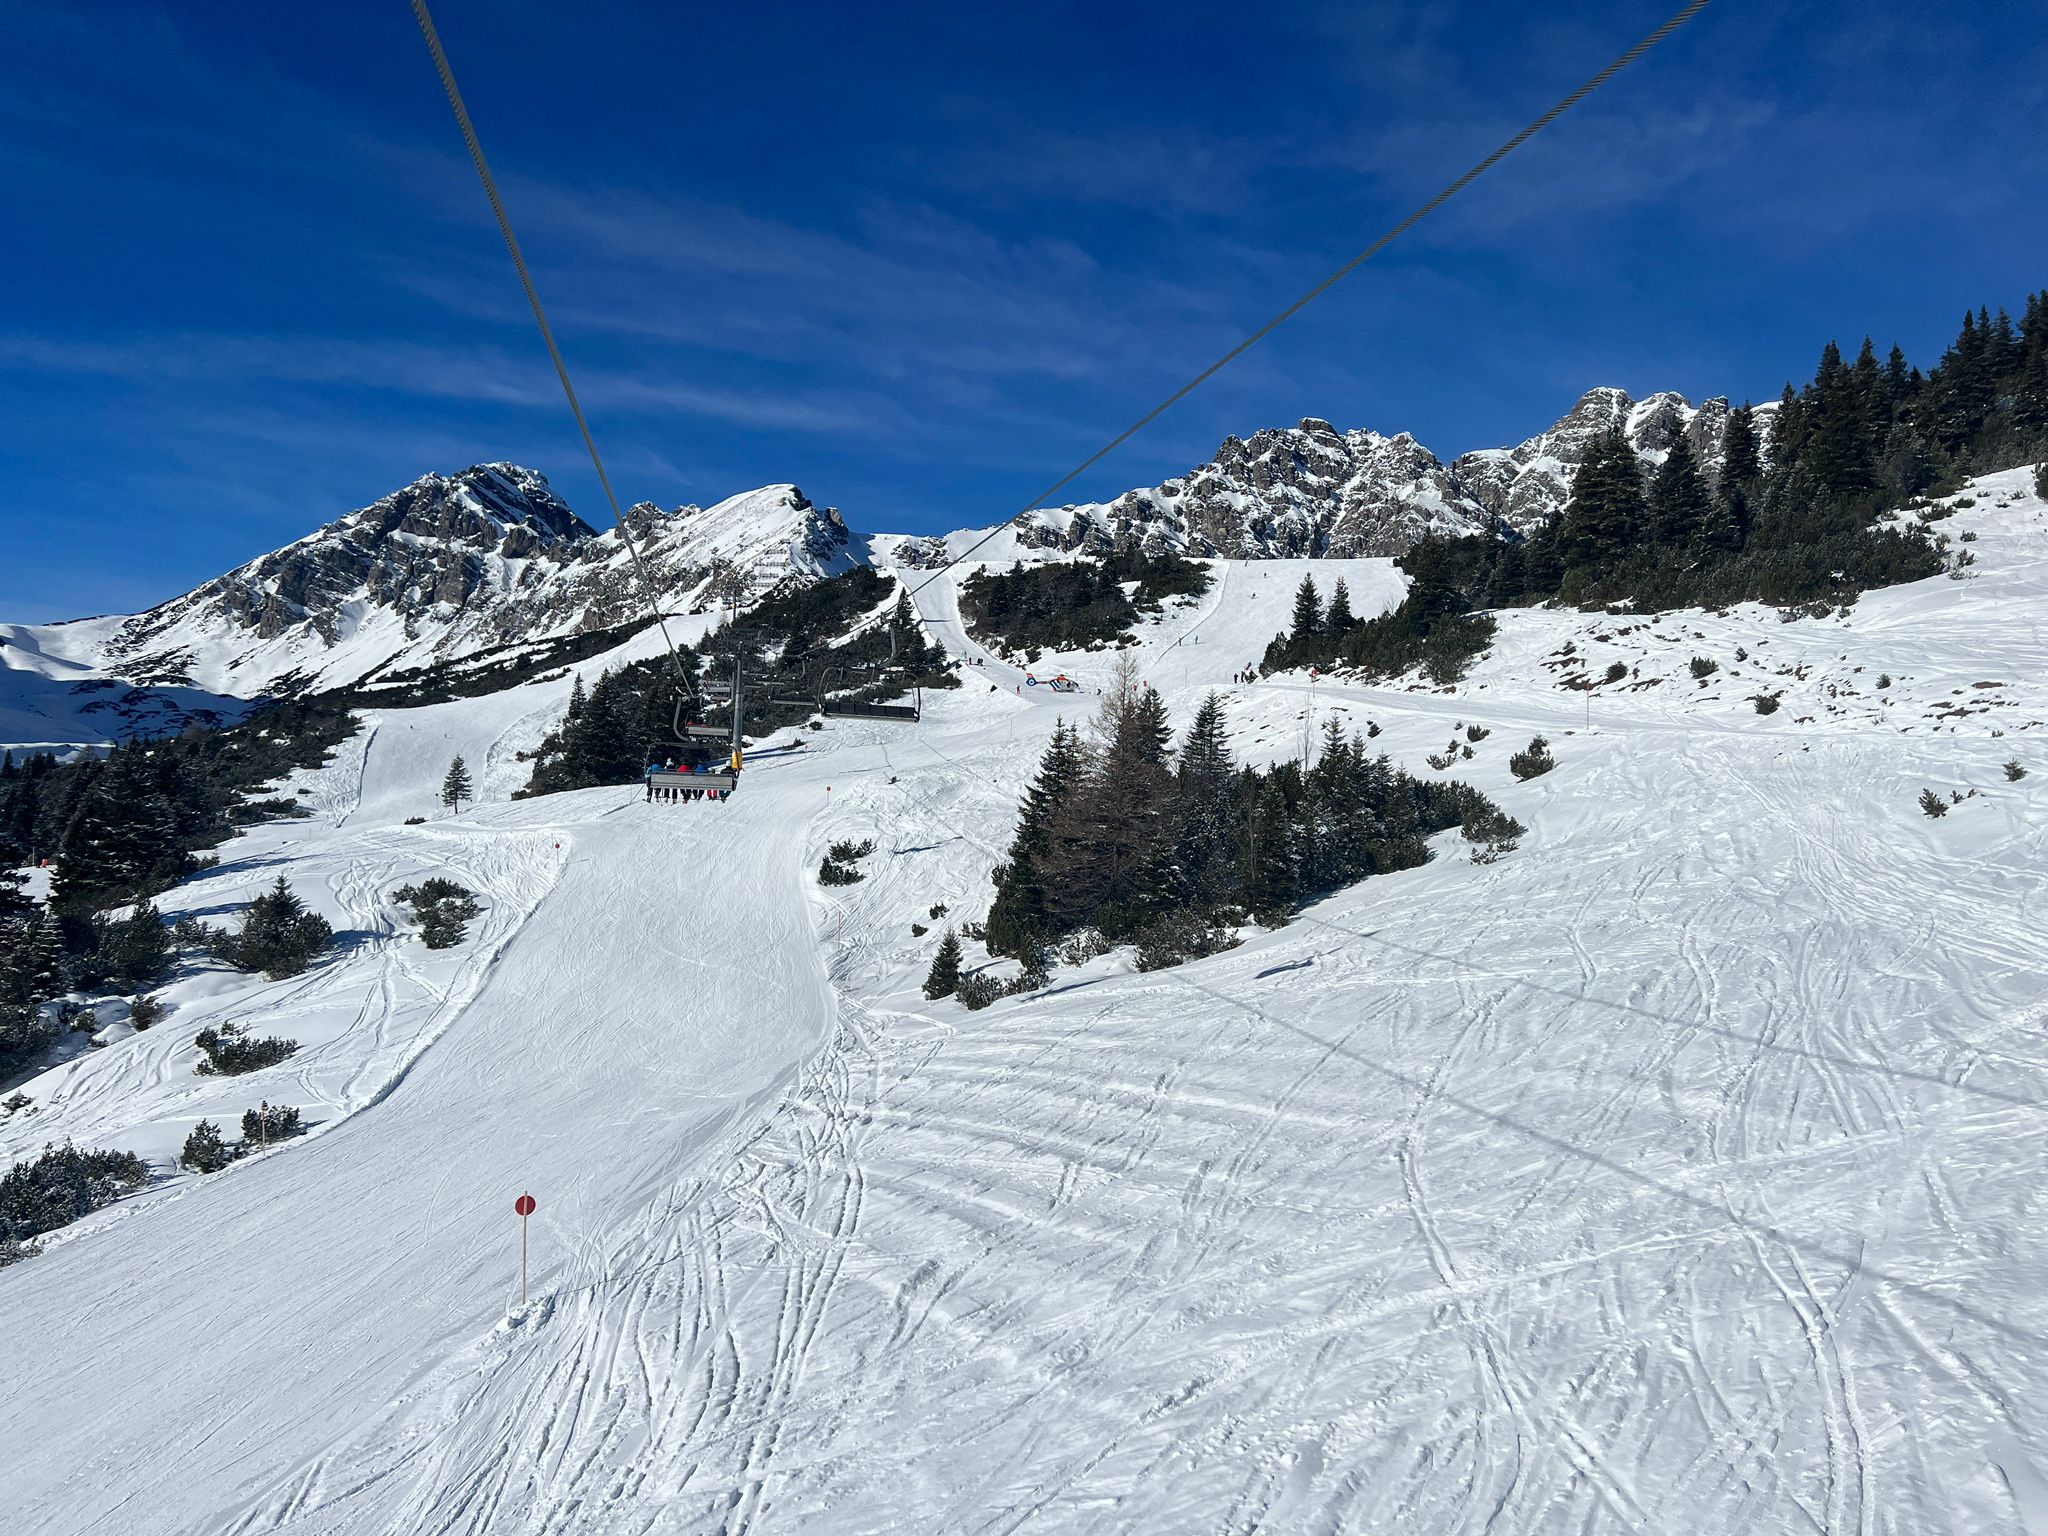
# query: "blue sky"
{"type": "Point", "coordinates": [921, 259]}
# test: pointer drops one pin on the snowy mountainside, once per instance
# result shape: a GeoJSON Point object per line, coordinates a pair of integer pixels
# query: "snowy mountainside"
{"type": "Point", "coordinates": [1532, 481]}
{"type": "Point", "coordinates": [447, 566]}
{"type": "Point", "coordinates": [1314, 491]}
{"type": "Point", "coordinates": [50, 703]}
{"type": "Point", "coordinates": [1676, 1171]}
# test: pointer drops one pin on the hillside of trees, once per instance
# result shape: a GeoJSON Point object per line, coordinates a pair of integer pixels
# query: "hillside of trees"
{"type": "Point", "coordinates": [1074, 605]}
{"type": "Point", "coordinates": [1122, 834]}
{"type": "Point", "coordinates": [130, 823]}
{"type": "Point", "coordinates": [789, 647]}
{"type": "Point", "coordinates": [1799, 519]}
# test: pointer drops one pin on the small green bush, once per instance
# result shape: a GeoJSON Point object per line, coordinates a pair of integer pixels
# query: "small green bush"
{"type": "Point", "coordinates": [978, 991]}
{"type": "Point", "coordinates": [231, 1051]}
{"type": "Point", "coordinates": [442, 908]}
{"type": "Point", "coordinates": [1703, 667]}
{"type": "Point", "coordinates": [269, 1122]}
{"type": "Point", "coordinates": [205, 1150]}
{"type": "Point", "coordinates": [1932, 803]}
{"type": "Point", "coordinates": [1532, 761]}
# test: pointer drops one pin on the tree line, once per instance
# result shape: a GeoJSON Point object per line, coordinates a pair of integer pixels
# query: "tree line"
{"type": "Point", "coordinates": [785, 645]}
{"type": "Point", "coordinates": [1073, 605]}
{"type": "Point", "coordinates": [1799, 518]}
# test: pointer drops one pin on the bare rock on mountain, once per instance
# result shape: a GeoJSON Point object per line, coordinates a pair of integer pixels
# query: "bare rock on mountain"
{"type": "Point", "coordinates": [452, 564]}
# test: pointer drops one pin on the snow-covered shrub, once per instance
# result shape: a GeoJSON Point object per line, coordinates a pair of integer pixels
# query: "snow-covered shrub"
{"type": "Point", "coordinates": [205, 1149]}
{"type": "Point", "coordinates": [1492, 832]}
{"type": "Point", "coordinates": [1476, 733]}
{"type": "Point", "coordinates": [144, 1012]}
{"type": "Point", "coordinates": [442, 908]}
{"type": "Point", "coordinates": [1765, 703]}
{"type": "Point", "coordinates": [2015, 770]}
{"type": "Point", "coordinates": [1703, 667]}
{"type": "Point", "coordinates": [57, 1188]}
{"type": "Point", "coordinates": [1616, 671]}
{"type": "Point", "coordinates": [978, 991]}
{"type": "Point", "coordinates": [1533, 761]}
{"type": "Point", "coordinates": [1036, 974]}
{"type": "Point", "coordinates": [1080, 948]}
{"type": "Point", "coordinates": [271, 1122]}
{"type": "Point", "coordinates": [231, 1051]}
{"type": "Point", "coordinates": [1441, 760]}
{"type": "Point", "coordinates": [837, 867]}
{"type": "Point", "coordinates": [1185, 933]}
{"type": "Point", "coordinates": [1932, 803]}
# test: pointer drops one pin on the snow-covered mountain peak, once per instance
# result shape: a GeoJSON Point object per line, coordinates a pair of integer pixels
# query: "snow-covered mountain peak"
{"type": "Point", "coordinates": [446, 566]}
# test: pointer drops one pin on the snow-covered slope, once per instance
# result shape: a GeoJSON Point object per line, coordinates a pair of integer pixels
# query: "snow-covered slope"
{"type": "Point", "coordinates": [1676, 1172]}
{"type": "Point", "coordinates": [448, 566]}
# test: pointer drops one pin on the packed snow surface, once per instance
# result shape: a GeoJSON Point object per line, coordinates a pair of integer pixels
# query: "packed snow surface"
{"type": "Point", "coordinates": [1678, 1172]}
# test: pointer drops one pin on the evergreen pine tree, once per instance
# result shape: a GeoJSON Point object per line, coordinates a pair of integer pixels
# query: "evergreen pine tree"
{"type": "Point", "coordinates": [205, 1150]}
{"type": "Point", "coordinates": [456, 787]}
{"type": "Point", "coordinates": [943, 980]}
{"type": "Point", "coordinates": [45, 973]}
{"type": "Point", "coordinates": [1204, 783]}
{"type": "Point", "coordinates": [1604, 516]}
{"type": "Point", "coordinates": [279, 936]}
{"type": "Point", "coordinates": [1308, 613]}
{"type": "Point", "coordinates": [1269, 878]}
{"type": "Point", "coordinates": [1679, 505]}
{"type": "Point", "coordinates": [578, 698]}
{"type": "Point", "coordinates": [1340, 616]}
{"type": "Point", "coordinates": [1841, 453]}
{"type": "Point", "coordinates": [1727, 526]}
{"type": "Point", "coordinates": [1019, 916]}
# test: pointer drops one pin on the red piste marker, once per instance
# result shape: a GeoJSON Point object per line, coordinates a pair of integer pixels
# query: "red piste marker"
{"type": "Point", "coordinates": [525, 1206]}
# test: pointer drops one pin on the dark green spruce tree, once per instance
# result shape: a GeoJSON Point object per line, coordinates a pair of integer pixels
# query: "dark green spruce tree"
{"type": "Point", "coordinates": [1019, 919]}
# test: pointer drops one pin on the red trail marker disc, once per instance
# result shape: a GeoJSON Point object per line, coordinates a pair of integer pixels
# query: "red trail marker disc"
{"type": "Point", "coordinates": [524, 1205]}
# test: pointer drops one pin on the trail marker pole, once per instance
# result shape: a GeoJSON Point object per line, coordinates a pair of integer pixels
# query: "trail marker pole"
{"type": "Point", "coordinates": [524, 1205]}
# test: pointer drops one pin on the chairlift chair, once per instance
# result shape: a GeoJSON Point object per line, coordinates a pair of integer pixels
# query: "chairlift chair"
{"type": "Point", "coordinates": [677, 778]}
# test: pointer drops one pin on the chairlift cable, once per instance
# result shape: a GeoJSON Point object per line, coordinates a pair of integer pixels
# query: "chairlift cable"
{"type": "Point", "coordinates": [1679, 19]}
{"type": "Point", "coordinates": [483, 170]}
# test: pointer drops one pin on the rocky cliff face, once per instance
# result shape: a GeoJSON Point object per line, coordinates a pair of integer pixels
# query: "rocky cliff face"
{"type": "Point", "coordinates": [1525, 484]}
{"type": "Point", "coordinates": [458, 563]}
{"type": "Point", "coordinates": [1297, 492]}
{"type": "Point", "coordinates": [1313, 491]}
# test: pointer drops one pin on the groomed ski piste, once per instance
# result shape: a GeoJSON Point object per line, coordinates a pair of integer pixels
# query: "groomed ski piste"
{"type": "Point", "coordinates": [1680, 1171]}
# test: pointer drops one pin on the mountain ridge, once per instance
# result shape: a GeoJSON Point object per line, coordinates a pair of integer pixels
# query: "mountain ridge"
{"type": "Point", "coordinates": [454, 564]}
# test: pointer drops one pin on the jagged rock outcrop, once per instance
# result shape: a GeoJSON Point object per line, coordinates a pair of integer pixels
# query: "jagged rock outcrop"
{"type": "Point", "coordinates": [1297, 492]}
{"type": "Point", "coordinates": [1525, 484]}
{"type": "Point", "coordinates": [1313, 491]}
{"type": "Point", "coordinates": [453, 564]}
